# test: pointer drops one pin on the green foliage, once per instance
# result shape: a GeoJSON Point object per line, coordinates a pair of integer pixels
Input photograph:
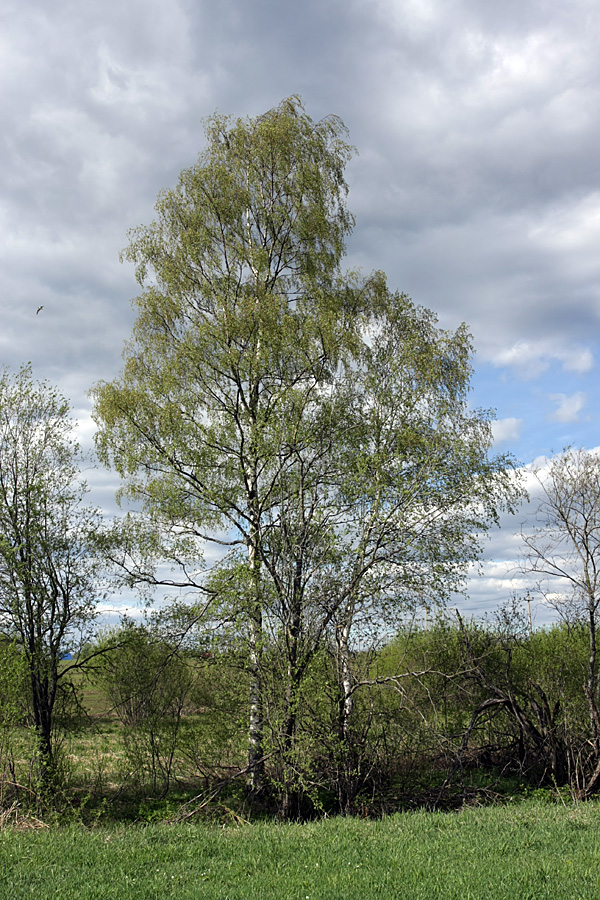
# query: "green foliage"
{"type": "Point", "coordinates": [149, 685]}
{"type": "Point", "coordinates": [497, 697]}
{"type": "Point", "coordinates": [13, 717]}
{"type": "Point", "coordinates": [424, 732]}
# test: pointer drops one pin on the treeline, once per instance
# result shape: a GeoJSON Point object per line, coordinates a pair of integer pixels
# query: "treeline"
{"type": "Point", "coordinates": [440, 716]}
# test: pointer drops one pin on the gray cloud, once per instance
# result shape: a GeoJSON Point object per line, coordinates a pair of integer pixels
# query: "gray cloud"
{"type": "Point", "coordinates": [474, 188]}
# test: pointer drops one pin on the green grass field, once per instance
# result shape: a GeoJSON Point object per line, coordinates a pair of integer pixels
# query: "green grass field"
{"type": "Point", "coordinates": [523, 852]}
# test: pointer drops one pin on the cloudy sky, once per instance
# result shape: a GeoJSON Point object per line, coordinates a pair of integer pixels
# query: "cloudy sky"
{"type": "Point", "coordinates": [476, 187]}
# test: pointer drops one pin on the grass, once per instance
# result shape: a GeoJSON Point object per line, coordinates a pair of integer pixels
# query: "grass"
{"type": "Point", "coordinates": [527, 851]}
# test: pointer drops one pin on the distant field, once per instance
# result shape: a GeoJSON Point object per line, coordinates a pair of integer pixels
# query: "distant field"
{"type": "Point", "coordinates": [93, 699]}
{"type": "Point", "coordinates": [503, 853]}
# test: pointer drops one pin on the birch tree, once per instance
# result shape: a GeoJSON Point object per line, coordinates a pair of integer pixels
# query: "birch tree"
{"type": "Point", "coordinates": [243, 316]}
{"type": "Point", "coordinates": [308, 422]}
{"type": "Point", "coordinates": [420, 486]}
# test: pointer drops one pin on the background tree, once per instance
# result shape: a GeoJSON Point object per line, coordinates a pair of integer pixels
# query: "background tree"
{"type": "Point", "coordinates": [50, 574]}
{"type": "Point", "coordinates": [564, 546]}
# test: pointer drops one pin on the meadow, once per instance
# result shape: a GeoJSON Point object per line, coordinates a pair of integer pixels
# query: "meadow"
{"type": "Point", "coordinates": [527, 850]}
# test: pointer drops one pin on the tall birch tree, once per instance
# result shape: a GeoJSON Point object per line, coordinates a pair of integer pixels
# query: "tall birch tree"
{"type": "Point", "coordinates": [310, 424]}
{"type": "Point", "coordinates": [243, 315]}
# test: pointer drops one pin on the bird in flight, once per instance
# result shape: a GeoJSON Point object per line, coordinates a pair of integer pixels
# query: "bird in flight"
{"type": "Point", "coordinates": [38, 310]}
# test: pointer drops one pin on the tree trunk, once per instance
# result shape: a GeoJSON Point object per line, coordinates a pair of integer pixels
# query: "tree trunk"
{"type": "Point", "coordinates": [294, 678]}
{"type": "Point", "coordinates": [345, 673]}
{"type": "Point", "coordinates": [590, 687]}
{"type": "Point", "coordinates": [43, 695]}
{"type": "Point", "coordinates": [255, 781]}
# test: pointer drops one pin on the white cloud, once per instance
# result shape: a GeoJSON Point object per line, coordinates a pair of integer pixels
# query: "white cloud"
{"type": "Point", "coordinates": [577, 359]}
{"type": "Point", "coordinates": [575, 228]}
{"type": "Point", "coordinates": [568, 407]}
{"type": "Point", "coordinates": [530, 359]}
{"type": "Point", "coordinates": [505, 430]}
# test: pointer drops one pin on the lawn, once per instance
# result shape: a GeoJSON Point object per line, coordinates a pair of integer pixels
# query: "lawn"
{"type": "Point", "coordinates": [522, 852]}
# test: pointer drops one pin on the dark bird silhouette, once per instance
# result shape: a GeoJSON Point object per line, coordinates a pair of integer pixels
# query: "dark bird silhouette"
{"type": "Point", "coordinates": [38, 310]}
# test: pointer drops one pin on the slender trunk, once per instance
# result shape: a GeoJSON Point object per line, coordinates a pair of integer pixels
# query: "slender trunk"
{"type": "Point", "coordinates": [591, 684]}
{"type": "Point", "coordinates": [255, 781]}
{"type": "Point", "coordinates": [346, 786]}
{"type": "Point", "coordinates": [294, 678]}
{"type": "Point", "coordinates": [344, 629]}
{"type": "Point", "coordinates": [255, 724]}
{"type": "Point", "coordinates": [290, 790]}
{"type": "Point", "coordinates": [292, 638]}
{"type": "Point", "coordinates": [291, 696]}
{"type": "Point", "coordinates": [345, 673]}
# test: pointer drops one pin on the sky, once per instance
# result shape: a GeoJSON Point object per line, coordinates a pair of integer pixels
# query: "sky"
{"type": "Point", "coordinates": [476, 187]}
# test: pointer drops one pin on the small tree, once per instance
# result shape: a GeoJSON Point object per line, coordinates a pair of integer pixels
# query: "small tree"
{"type": "Point", "coordinates": [564, 546]}
{"type": "Point", "coordinates": [49, 570]}
{"type": "Point", "coordinates": [148, 681]}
